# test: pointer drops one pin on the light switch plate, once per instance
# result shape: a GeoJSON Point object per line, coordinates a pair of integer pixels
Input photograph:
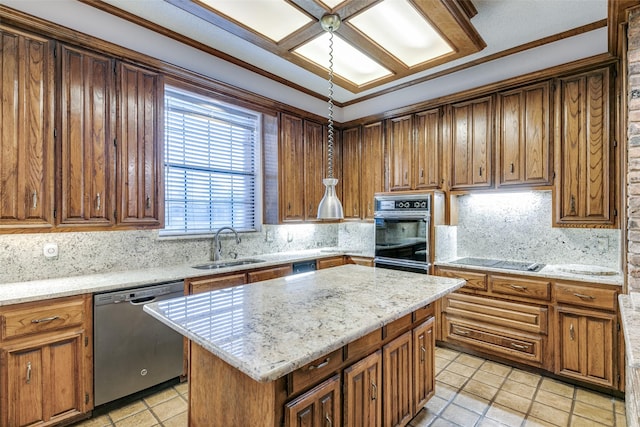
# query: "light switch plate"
{"type": "Point", "coordinates": [50, 250]}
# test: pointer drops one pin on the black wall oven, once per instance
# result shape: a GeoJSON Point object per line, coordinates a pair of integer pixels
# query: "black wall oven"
{"type": "Point", "coordinates": [402, 224]}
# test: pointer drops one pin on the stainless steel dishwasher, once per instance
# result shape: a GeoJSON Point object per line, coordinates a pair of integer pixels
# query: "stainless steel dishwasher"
{"type": "Point", "coordinates": [133, 351]}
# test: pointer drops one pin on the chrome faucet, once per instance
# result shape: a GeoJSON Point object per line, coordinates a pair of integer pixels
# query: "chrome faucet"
{"type": "Point", "coordinates": [217, 250]}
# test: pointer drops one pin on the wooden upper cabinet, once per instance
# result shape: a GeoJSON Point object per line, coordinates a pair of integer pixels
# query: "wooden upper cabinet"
{"type": "Point", "coordinates": [140, 146]}
{"type": "Point", "coordinates": [372, 175]}
{"type": "Point", "coordinates": [472, 140]}
{"type": "Point", "coordinates": [400, 149]}
{"type": "Point", "coordinates": [351, 163]}
{"type": "Point", "coordinates": [291, 169]}
{"type": "Point", "coordinates": [523, 136]}
{"type": "Point", "coordinates": [26, 130]}
{"type": "Point", "coordinates": [86, 134]}
{"type": "Point", "coordinates": [584, 191]}
{"type": "Point", "coordinates": [428, 146]}
{"type": "Point", "coordinates": [314, 167]}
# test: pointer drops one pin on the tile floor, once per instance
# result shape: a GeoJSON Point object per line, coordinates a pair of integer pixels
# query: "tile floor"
{"type": "Point", "coordinates": [470, 392]}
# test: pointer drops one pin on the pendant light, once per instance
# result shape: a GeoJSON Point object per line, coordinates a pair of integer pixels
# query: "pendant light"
{"type": "Point", "coordinates": [330, 206]}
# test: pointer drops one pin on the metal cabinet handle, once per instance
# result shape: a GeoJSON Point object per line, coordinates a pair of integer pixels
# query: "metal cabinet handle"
{"type": "Point", "coordinates": [289, 206]}
{"type": "Point", "coordinates": [423, 353]}
{"type": "Point", "coordinates": [374, 391]}
{"type": "Point", "coordinates": [28, 377]}
{"type": "Point", "coordinates": [512, 168]}
{"type": "Point", "coordinates": [329, 423]}
{"type": "Point", "coordinates": [583, 296]}
{"type": "Point", "coordinates": [572, 205]}
{"type": "Point", "coordinates": [572, 333]}
{"type": "Point", "coordinates": [518, 287]}
{"type": "Point", "coordinates": [322, 364]}
{"type": "Point", "coordinates": [459, 332]}
{"type": "Point", "coordinates": [421, 172]}
{"type": "Point", "coordinates": [45, 319]}
{"type": "Point", "coordinates": [480, 171]}
{"type": "Point", "coordinates": [148, 202]}
{"type": "Point", "coordinates": [369, 208]}
{"type": "Point", "coordinates": [34, 200]}
{"type": "Point", "coordinates": [519, 346]}
{"type": "Point", "coordinates": [98, 202]}
{"type": "Point", "coordinates": [406, 175]}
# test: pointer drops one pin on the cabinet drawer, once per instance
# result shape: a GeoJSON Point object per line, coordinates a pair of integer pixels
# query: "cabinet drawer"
{"type": "Point", "coordinates": [475, 281]}
{"type": "Point", "coordinates": [422, 313]}
{"type": "Point", "coordinates": [363, 346]}
{"type": "Point", "coordinates": [530, 318]}
{"type": "Point", "coordinates": [586, 296]}
{"type": "Point", "coordinates": [197, 286]}
{"type": "Point", "coordinates": [314, 372]}
{"type": "Point", "coordinates": [269, 273]}
{"type": "Point", "coordinates": [522, 347]}
{"type": "Point", "coordinates": [330, 262]}
{"type": "Point", "coordinates": [528, 288]}
{"type": "Point", "coordinates": [396, 327]}
{"type": "Point", "coordinates": [43, 316]}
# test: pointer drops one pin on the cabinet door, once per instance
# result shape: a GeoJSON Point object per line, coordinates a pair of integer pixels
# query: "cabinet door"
{"type": "Point", "coordinates": [351, 163]}
{"type": "Point", "coordinates": [428, 147]}
{"type": "Point", "coordinates": [524, 135]}
{"type": "Point", "coordinates": [319, 407]}
{"type": "Point", "coordinates": [400, 131]}
{"type": "Point", "coordinates": [44, 383]}
{"type": "Point", "coordinates": [583, 186]}
{"type": "Point", "coordinates": [140, 142]}
{"type": "Point", "coordinates": [372, 172]}
{"type": "Point", "coordinates": [314, 167]}
{"type": "Point", "coordinates": [397, 381]}
{"type": "Point", "coordinates": [472, 140]}
{"type": "Point", "coordinates": [363, 400]}
{"type": "Point", "coordinates": [291, 169]}
{"type": "Point", "coordinates": [585, 345]}
{"type": "Point", "coordinates": [87, 138]}
{"type": "Point", "coordinates": [424, 381]}
{"type": "Point", "coordinates": [26, 134]}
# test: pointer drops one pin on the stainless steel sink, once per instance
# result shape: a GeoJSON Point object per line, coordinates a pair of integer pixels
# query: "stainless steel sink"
{"type": "Point", "coordinates": [222, 264]}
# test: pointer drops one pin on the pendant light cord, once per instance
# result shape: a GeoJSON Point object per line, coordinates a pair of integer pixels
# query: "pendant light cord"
{"type": "Point", "coordinates": [330, 126]}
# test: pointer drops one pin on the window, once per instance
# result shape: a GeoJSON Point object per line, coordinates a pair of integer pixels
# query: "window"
{"type": "Point", "coordinates": [212, 175]}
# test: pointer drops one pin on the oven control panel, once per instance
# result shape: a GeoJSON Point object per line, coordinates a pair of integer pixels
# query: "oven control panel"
{"type": "Point", "coordinates": [401, 203]}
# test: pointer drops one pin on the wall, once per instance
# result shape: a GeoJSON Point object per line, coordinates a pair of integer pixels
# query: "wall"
{"type": "Point", "coordinates": [22, 259]}
{"type": "Point", "coordinates": [517, 226]}
{"type": "Point", "coordinates": [633, 153]}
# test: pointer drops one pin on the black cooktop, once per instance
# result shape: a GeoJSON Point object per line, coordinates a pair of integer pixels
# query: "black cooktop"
{"type": "Point", "coordinates": [499, 263]}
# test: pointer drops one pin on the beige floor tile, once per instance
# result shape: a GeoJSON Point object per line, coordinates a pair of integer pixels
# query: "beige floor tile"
{"type": "Point", "coordinates": [596, 399]}
{"type": "Point", "coordinates": [177, 421]}
{"type": "Point", "coordinates": [536, 422]}
{"type": "Point", "coordinates": [525, 377]}
{"type": "Point", "coordinates": [100, 421]}
{"type": "Point", "coordinates": [161, 396]}
{"type": "Point", "coordinates": [602, 416]}
{"type": "Point", "coordinates": [471, 402]}
{"type": "Point", "coordinates": [127, 411]}
{"type": "Point", "coordinates": [489, 378]}
{"type": "Point", "coordinates": [424, 418]}
{"type": "Point", "coordinates": [488, 422]}
{"type": "Point", "coordinates": [505, 416]}
{"type": "Point", "coordinates": [451, 378]}
{"type": "Point", "coordinates": [513, 401]}
{"type": "Point", "coordinates": [550, 414]}
{"type": "Point", "coordinates": [170, 408]}
{"type": "Point", "coordinates": [446, 353]}
{"type": "Point", "coordinates": [441, 363]}
{"type": "Point", "coordinates": [182, 388]}
{"type": "Point", "coordinates": [469, 360]}
{"type": "Point", "coordinates": [554, 400]}
{"type": "Point", "coordinates": [140, 419]}
{"type": "Point", "coordinates": [460, 369]}
{"type": "Point", "coordinates": [496, 368]}
{"type": "Point", "coordinates": [441, 422]}
{"type": "Point", "coordinates": [557, 387]}
{"type": "Point", "coordinates": [435, 405]}
{"type": "Point", "coordinates": [459, 415]}
{"type": "Point", "coordinates": [584, 422]}
{"type": "Point", "coordinates": [445, 391]}
{"type": "Point", "coordinates": [520, 389]}
{"type": "Point", "coordinates": [480, 389]}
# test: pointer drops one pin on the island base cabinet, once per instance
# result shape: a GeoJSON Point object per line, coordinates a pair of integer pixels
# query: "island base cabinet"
{"type": "Point", "coordinates": [397, 381]}
{"type": "Point", "coordinates": [424, 382]}
{"type": "Point", "coordinates": [363, 400]}
{"type": "Point", "coordinates": [319, 407]}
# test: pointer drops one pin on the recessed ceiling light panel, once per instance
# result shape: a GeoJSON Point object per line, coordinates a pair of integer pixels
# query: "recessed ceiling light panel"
{"type": "Point", "coordinates": [397, 27]}
{"type": "Point", "coordinates": [331, 4]}
{"type": "Point", "coordinates": [348, 62]}
{"type": "Point", "coordinates": [274, 19]}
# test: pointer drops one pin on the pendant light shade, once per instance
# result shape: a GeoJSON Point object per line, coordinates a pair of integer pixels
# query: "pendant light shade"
{"type": "Point", "coordinates": [330, 206]}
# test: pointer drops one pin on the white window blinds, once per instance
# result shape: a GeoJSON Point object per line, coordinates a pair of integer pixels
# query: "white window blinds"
{"type": "Point", "coordinates": [211, 165]}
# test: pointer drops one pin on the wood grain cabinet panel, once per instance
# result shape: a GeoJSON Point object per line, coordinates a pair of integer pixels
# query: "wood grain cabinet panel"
{"type": "Point", "coordinates": [520, 287]}
{"type": "Point", "coordinates": [424, 380]}
{"type": "Point", "coordinates": [314, 167]}
{"type": "Point", "coordinates": [330, 262]}
{"type": "Point", "coordinates": [523, 137]}
{"type": "Point", "coordinates": [140, 143]}
{"type": "Point", "coordinates": [475, 281]}
{"type": "Point", "coordinates": [26, 130]}
{"type": "Point", "coordinates": [318, 407]}
{"type": "Point", "coordinates": [206, 284]}
{"type": "Point", "coordinates": [269, 273]}
{"type": "Point", "coordinates": [87, 138]}
{"type": "Point", "coordinates": [428, 149]}
{"type": "Point", "coordinates": [584, 190]}
{"type": "Point", "coordinates": [587, 296]}
{"type": "Point", "coordinates": [362, 395]}
{"type": "Point", "coordinates": [372, 170]}
{"type": "Point", "coordinates": [291, 173]}
{"type": "Point", "coordinates": [397, 377]}
{"type": "Point", "coordinates": [351, 166]}
{"type": "Point", "coordinates": [400, 141]}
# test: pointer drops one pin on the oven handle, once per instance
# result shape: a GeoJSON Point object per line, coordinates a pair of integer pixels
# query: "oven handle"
{"type": "Point", "coordinates": [386, 261]}
{"type": "Point", "coordinates": [396, 216]}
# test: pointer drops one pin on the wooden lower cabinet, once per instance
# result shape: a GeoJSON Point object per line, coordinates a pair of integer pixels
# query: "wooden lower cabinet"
{"type": "Point", "coordinates": [424, 381]}
{"type": "Point", "coordinates": [397, 381]}
{"type": "Point", "coordinates": [362, 396]}
{"type": "Point", "coordinates": [318, 407]}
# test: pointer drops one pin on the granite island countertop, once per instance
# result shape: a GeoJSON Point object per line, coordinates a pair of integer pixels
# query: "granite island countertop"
{"type": "Point", "coordinates": [268, 329]}
{"type": "Point", "coordinates": [630, 318]}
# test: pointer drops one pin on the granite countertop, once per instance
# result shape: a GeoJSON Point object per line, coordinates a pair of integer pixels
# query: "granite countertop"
{"type": "Point", "coordinates": [268, 329]}
{"type": "Point", "coordinates": [35, 290]}
{"type": "Point", "coordinates": [630, 317]}
{"type": "Point", "coordinates": [551, 271]}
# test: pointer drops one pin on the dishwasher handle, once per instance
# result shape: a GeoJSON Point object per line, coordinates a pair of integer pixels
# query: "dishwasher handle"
{"type": "Point", "coordinates": [143, 300]}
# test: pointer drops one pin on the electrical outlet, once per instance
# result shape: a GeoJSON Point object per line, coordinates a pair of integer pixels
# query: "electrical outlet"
{"type": "Point", "coordinates": [50, 251]}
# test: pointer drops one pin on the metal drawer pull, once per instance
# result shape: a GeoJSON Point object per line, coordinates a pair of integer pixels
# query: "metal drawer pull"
{"type": "Point", "coordinates": [583, 296]}
{"type": "Point", "coordinates": [28, 378]}
{"type": "Point", "coordinates": [98, 202]}
{"type": "Point", "coordinates": [572, 333]}
{"type": "Point", "coordinates": [423, 352]}
{"type": "Point", "coordinates": [518, 287]}
{"type": "Point", "coordinates": [320, 365]}
{"type": "Point", "coordinates": [35, 199]}
{"type": "Point", "coordinates": [326, 417]}
{"type": "Point", "coordinates": [374, 391]}
{"type": "Point", "coordinates": [459, 332]}
{"type": "Point", "coordinates": [512, 169]}
{"type": "Point", "coordinates": [148, 202]}
{"type": "Point", "coordinates": [45, 319]}
{"type": "Point", "coordinates": [519, 346]}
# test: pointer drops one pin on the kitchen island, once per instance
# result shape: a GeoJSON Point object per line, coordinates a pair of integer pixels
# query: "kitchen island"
{"type": "Point", "coordinates": [275, 352]}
